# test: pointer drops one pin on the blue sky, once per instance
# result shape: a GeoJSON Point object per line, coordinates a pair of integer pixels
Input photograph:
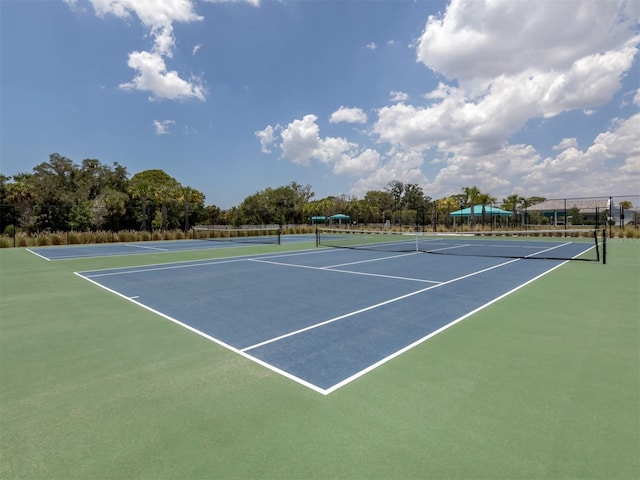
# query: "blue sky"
{"type": "Point", "coordinates": [231, 97]}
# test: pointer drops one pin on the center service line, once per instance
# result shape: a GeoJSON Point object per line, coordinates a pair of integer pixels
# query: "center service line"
{"type": "Point", "coordinates": [386, 302]}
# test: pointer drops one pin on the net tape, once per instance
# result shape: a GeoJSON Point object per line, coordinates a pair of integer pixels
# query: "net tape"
{"type": "Point", "coordinates": [538, 244]}
{"type": "Point", "coordinates": [246, 234]}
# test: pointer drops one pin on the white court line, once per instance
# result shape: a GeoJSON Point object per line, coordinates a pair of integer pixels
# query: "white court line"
{"type": "Point", "coordinates": [199, 263]}
{"type": "Point", "coordinates": [210, 338]}
{"type": "Point", "coordinates": [154, 268]}
{"type": "Point", "coordinates": [377, 305]}
{"type": "Point", "coordinates": [548, 249]}
{"type": "Point", "coordinates": [350, 272]}
{"type": "Point", "coordinates": [296, 379]}
{"type": "Point", "coordinates": [37, 254]}
{"type": "Point", "coordinates": [370, 260]}
{"type": "Point", "coordinates": [146, 247]}
{"type": "Point", "coordinates": [435, 332]}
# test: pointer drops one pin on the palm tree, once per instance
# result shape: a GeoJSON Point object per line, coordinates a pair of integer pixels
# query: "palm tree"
{"type": "Point", "coordinates": [21, 195]}
{"type": "Point", "coordinates": [485, 199]}
{"type": "Point", "coordinates": [470, 196]}
{"type": "Point", "coordinates": [142, 190]}
{"type": "Point", "coordinates": [189, 196]}
{"type": "Point", "coordinates": [624, 205]}
{"type": "Point", "coordinates": [511, 203]}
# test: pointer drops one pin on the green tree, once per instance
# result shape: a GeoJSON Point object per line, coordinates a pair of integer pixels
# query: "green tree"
{"type": "Point", "coordinates": [213, 215]}
{"type": "Point", "coordinates": [395, 188]}
{"type": "Point", "coordinates": [444, 207]}
{"type": "Point", "coordinates": [382, 202]}
{"type": "Point", "coordinates": [157, 188]}
{"type": "Point", "coordinates": [55, 184]}
{"type": "Point", "coordinates": [21, 195]}
{"type": "Point", "coordinates": [115, 205]}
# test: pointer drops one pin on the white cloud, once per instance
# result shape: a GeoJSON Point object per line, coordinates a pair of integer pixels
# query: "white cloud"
{"type": "Point", "coordinates": [590, 81]}
{"type": "Point", "coordinates": [75, 5]}
{"type": "Point", "coordinates": [162, 126]}
{"type": "Point", "coordinates": [348, 115]}
{"type": "Point", "coordinates": [267, 137]}
{"type": "Point", "coordinates": [398, 165]}
{"type": "Point", "coordinates": [152, 14]}
{"type": "Point", "coordinates": [497, 172]}
{"type": "Point", "coordinates": [567, 143]}
{"type": "Point", "coordinates": [301, 143]}
{"type": "Point", "coordinates": [255, 3]}
{"type": "Point", "coordinates": [196, 48]}
{"type": "Point", "coordinates": [398, 96]}
{"type": "Point", "coordinates": [153, 76]}
{"type": "Point", "coordinates": [300, 140]}
{"type": "Point", "coordinates": [472, 118]}
{"type": "Point", "coordinates": [367, 161]}
{"type": "Point", "coordinates": [512, 62]}
{"type": "Point", "coordinates": [574, 172]}
{"type": "Point", "coordinates": [488, 39]}
{"type": "Point", "coordinates": [371, 46]}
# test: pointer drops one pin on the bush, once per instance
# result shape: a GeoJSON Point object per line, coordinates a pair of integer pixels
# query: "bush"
{"type": "Point", "coordinates": [56, 239]}
{"type": "Point", "coordinates": [126, 237]}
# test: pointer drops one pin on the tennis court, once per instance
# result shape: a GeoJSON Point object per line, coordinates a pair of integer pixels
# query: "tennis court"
{"type": "Point", "coordinates": [324, 317]}
{"type": "Point", "coordinates": [297, 361]}
{"type": "Point", "coordinates": [70, 252]}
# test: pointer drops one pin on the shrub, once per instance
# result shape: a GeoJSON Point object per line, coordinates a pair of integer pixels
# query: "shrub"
{"type": "Point", "coordinates": [56, 239]}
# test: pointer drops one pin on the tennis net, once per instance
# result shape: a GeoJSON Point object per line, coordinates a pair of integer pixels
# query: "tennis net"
{"type": "Point", "coordinates": [260, 235]}
{"type": "Point", "coordinates": [538, 244]}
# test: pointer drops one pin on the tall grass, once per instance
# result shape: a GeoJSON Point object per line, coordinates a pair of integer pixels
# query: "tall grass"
{"type": "Point", "coordinates": [79, 238]}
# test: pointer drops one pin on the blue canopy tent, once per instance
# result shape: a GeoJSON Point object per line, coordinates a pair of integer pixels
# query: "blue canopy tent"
{"type": "Point", "coordinates": [489, 211]}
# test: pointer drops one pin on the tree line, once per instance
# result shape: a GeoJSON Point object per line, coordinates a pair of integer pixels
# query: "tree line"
{"type": "Point", "coordinates": [61, 195]}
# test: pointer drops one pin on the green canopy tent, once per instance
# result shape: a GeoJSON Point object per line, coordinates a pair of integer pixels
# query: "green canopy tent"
{"type": "Point", "coordinates": [489, 211]}
{"type": "Point", "coordinates": [340, 217]}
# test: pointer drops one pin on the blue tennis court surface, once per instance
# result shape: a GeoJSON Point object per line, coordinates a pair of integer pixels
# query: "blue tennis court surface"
{"type": "Point", "coordinates": [70, 252]}
{"type": "Point", "coordinates": [321, 317]}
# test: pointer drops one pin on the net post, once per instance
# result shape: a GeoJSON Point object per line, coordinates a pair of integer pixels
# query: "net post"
{"type": "Point", "coordinates": [279, 235]}
{"type": "Point", "coordinates": [317, 237]}
{"type": "Point", "coordinates": [595, 237]}
{"type": "Point", "coordinates": [604, 246]}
